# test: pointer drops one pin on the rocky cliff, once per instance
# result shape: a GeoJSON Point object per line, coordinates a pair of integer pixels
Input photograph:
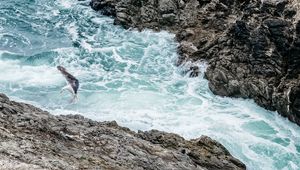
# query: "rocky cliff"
{"type": "Point", "coordinates": [252, 46]}
{"type": "Point", "coordinates": [31, 138]}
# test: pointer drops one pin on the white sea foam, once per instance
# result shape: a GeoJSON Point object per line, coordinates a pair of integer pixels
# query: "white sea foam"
{"type": "Point", "coordinates": [72, 29]}
{"type": "Point", "coordinates": [66, 3]}
{"type": "Point", "coordinates": [13, 72]}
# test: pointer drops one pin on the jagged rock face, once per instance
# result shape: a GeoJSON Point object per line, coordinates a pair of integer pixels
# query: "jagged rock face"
{"type": "Point", "coordinates": [31, 138]}
{"type": "Point", "coordinates": [258, 59]}
{"type": "Point", "coordinates": [252, 46]}
{"type": "Point", "coordinates": [200, 155]}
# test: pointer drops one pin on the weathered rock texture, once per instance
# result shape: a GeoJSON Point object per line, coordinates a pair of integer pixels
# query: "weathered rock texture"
{"type": "Point", "coordinates": [31, 138]}
{"type": "Point", "coordinates": [252, 46]}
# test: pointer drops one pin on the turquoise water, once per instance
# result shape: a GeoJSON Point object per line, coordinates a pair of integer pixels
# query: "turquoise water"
{"type": "Point", "coordinates": [130, 77]}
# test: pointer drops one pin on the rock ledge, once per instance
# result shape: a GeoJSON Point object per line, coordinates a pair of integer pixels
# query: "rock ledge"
{"type": "Point", "coordinates": [31, 138]}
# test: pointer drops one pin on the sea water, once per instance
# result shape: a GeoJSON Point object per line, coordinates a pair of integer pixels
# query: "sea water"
{"type": "Point", "coordinates": [130, 77]}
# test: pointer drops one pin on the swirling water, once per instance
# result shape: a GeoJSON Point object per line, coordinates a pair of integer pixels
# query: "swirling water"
{"type": "Point", "coordinates": [130, 77]}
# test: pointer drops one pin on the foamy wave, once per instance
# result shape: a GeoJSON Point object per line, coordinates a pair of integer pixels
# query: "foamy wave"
{"type": "Point", "coordinates": [12, 72]}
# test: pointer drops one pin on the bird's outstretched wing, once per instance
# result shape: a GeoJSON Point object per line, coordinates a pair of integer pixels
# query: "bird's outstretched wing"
{"type": "Point", "coordinates": [71, 80]}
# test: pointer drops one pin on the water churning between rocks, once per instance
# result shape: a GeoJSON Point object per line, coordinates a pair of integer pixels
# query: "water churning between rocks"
{"type": "Point", "coordinates": [130, 77]}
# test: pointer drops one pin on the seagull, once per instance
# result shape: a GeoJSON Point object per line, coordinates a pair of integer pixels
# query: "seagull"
{"type": "Point", "coordinates": [72, 83]}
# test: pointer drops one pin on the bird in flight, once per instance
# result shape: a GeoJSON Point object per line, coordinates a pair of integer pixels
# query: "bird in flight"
{"type": "Point", "coordinates": [72, 83]}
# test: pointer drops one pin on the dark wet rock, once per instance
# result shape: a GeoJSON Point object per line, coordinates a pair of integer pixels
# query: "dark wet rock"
{"type": "Point", "coordinates": [31, 138]}
{"type": "Point", "coordinates": [106, 6]}
{"type": "Point", "coordinates": [252, 46]}
{"type": "Point", "coordinates": [194, 71]}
